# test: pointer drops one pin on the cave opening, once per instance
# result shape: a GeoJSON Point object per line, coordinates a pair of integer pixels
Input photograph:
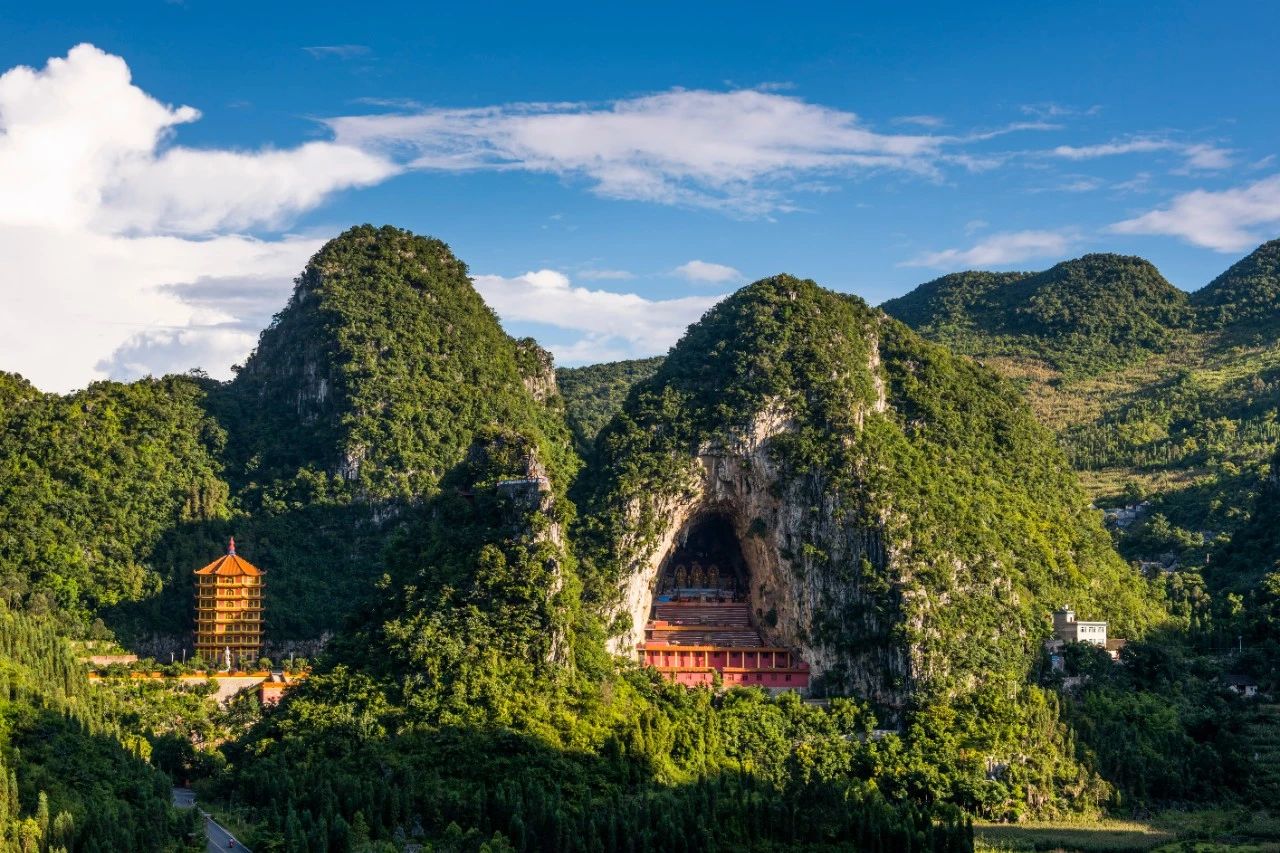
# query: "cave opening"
{"type": "Point", "coordinates": [705, 563]}
{"type": "Point", "coordinates": [700, 630]}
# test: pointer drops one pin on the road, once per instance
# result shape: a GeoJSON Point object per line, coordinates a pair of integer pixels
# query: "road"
{"type": "Point", "coordinates": [218, 838]}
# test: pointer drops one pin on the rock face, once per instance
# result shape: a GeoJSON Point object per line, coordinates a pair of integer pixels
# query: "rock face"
{"type": "Point", "coordinates": [889, 499]}
{"type": "Point", "coordinates": [791, 592]}
{"type": "Point", "coordinates": [537, 370]}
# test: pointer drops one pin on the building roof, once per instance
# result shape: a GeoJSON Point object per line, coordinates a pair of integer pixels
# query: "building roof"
{"type": "Point", "coordinates": [231, 565]}
{"type": "Point", "coordinates": [1237, 680]}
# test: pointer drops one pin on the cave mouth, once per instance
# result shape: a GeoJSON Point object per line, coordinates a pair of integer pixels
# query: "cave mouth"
{"type": "Point", "coordinates": [706, 563]}
{"type": "Point", "coordinates": [700, 632]}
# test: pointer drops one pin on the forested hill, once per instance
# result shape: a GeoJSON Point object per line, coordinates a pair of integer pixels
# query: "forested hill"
{"type": "Point", "coordinates": [1245, 298]}
{"type": "Point", "coordinates": [477, 691]}
{"type": "Point", "coordinates": [1081, 316]}
{"type": "Point", "coordinates": [71, 777]}
{"type": "Point", "coordinates": [888, 439]}
{"type": "Point", "coordinates": [365, 392]}
{"type": "Point", "coordinates": [1153, 394]}
{"type": "Point", "coordinates": [374, 376]}
{"type": "Point", "coordinates": [594, 394]}
{"type": "Point", "coordinates": [389, 449]}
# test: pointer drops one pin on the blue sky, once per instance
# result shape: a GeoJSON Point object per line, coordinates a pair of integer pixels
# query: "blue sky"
{"type": "Point", "coordinates": [605, 172]}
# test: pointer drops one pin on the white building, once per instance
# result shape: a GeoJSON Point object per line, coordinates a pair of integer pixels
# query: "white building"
{"type": "Point", "coordinates": [1068, 629]}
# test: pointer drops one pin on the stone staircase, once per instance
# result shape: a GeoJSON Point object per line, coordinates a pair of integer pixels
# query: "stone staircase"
{"type": "Point", "coordinates": [725, 624]}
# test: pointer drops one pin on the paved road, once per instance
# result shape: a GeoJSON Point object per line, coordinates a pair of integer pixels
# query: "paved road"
{"type": "Point", "coordinates": [218, 838]}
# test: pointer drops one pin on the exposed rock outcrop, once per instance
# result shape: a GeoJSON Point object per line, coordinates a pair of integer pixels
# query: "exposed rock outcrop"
{"type": "Point", "coordinates": [796, 542]}
{"type": "Point", "coordinates": [889, 499]}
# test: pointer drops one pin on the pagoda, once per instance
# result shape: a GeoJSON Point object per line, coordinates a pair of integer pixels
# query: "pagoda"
{"type": "Point", "coordinates": [229, 610]}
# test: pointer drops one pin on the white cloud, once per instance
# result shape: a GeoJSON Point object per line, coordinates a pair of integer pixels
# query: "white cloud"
{"type": "Point", "coordinates": [606, 275]}
{"type": "Point", "coordinates": [1227, 220]}
{"type": "Point", "coordinates": [612, 325]}
{"type": "Point", "coordinates": [998, 250]}
{"type": "Point", "coordinates": [1198, 156]}
{"type": "Point", "coordinates": [921, 121]}
{"type": "Point", "coordinates": [1052, 110]}
{"type": "Point", "coordinates": [707, 273]}
{"type": "Point", "coordinates": [1207, 157]}
{"type": "Point", "coordinates": [104, 220]}
{"type": "Point", "coordinates": [185, 191]}
{"type": "Point", "coordinates": [738, 151]}
{"type": "Point", "coordinates": [337, 51]}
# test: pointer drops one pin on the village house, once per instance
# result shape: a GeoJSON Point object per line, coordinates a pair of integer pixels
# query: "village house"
{"type": "Point", "coordinates": [1241, 685]}
{"type": "Point", "coordinates": [1068, 629]}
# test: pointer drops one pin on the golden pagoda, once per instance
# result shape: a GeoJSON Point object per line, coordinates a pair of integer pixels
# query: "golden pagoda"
{"type": "Point", "coordinates": [229, 610]}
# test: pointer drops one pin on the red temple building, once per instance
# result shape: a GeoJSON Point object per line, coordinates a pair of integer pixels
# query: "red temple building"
{"type": "Point", "coordinates": [701, 622]}
{"type": "Point", "coordinates": [229, 610]}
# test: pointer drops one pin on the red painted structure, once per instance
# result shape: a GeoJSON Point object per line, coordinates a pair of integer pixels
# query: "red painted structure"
{"type": "Point", "coordinates": [691, 639]}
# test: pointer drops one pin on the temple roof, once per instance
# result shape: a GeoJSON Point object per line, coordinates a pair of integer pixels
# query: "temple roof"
{"type": "Point", "coordinates": [230, 565]}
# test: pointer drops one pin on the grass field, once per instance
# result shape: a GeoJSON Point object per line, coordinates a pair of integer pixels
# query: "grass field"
{"type": "Point", "coordinates": [1201, 831]}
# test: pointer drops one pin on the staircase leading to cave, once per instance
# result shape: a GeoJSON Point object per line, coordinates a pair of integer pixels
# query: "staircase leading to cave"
{"type": "Point", "coordinates": [692, 636]}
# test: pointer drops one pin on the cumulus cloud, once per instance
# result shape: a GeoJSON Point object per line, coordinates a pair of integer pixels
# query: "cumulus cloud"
{"type": "Point", "coordinates": [618, 325]}
{"type": "Point", "coordinates": [998, 250]}
{"type": "Point", "coordinates": [1197, 156]}
{"type": "Point", "coordinates": [707, 273]}
{"type": "Point", "coordinates": [737, 151]}
{"type": "Point", "coordinates": [104, 219]}
{"type": "Point", "coordinates": [1226, 220]}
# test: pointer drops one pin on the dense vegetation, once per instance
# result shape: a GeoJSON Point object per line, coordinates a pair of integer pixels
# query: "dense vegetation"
{"type": "Point", "coordinates": [479, 683]}
{"type": "Point", "coordinates": [460, 690]}
{"type": "Point", "coordinates": [1245, 298]}
{"type": "Point", "coordinates": [71, 776]}
{"type": "Point", "coordinates": [380, 455]}
{"type": "Point", "coordinates": [594, 394]}
{"type": "Point", "coordinates": [952, 466]}
{"type": "Point", "coordinates": [92, 482]}
{"type": "Point", "coordinates": [1082, 316]}
{"type": "Point", "coordinates": [1153, 395]}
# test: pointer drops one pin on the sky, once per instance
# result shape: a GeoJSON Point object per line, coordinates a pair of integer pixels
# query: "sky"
{"type": "Point", "coordinates": [607, 171]}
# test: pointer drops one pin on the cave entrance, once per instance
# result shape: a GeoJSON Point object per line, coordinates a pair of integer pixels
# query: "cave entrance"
{"type": "Point", "coordinates": [706, 564]}
{"type": "Point", "coordinates": [700, 631]}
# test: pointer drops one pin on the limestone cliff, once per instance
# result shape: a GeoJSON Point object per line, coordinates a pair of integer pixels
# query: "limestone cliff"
{"type": "Point", "coordinates": [899, 511]}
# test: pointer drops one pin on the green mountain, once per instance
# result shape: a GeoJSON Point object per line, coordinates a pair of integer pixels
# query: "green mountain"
{"type": "Point", "coordinates": [372, 378]}
{"type": "Point", "coordinates": [1245, 298]}
{"type": "Point", "coordinates": [1082, 316]}
{"type": "Point", "coordinates": [594, 394]}
{"type": "Point", "coordinates": [888, 494]}
{"type": "Point", "coordinates": [1151, 394]}
{"type": "Point", "coordinates": [906, 524]}
{"type": "Point", "coordinates": [367, 389]}
{"type": "Point", "coordinates": [411, 477]}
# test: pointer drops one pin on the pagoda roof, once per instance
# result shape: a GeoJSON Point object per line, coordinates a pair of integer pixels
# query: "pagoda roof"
{"type": "Point", "coordinates": [230, 565]}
